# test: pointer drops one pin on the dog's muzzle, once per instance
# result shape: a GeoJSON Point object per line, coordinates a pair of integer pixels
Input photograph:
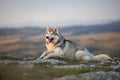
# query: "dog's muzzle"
{"type": "Point", "coordinates": [48, 40]}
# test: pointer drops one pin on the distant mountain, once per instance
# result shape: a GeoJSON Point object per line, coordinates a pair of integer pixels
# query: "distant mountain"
{"type": "Point", "coordinates": [78, 30]}
{"type": "Point", "coordinates": [21, 31]}
{"type": "Point", "coordinates": [74, 30]}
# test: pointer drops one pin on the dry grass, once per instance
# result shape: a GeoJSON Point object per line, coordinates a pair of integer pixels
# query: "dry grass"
{"type": "Point", "coordinates": [10, 48]}
{"type": "Point", "coordinates": [106, 40]}
{"type": "Point", "coordinates": [31, 52]}
{"type": "Point", "coordinates": [107, 43]}
{"type": "Point", "coordinates": [99, 43]}
{"type": "Point", "coordinates": [9, 39]}
{"type": "Point", "coordinates": [35, 38]}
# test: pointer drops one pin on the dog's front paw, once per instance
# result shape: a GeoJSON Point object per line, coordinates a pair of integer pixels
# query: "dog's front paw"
{"type": "Point", "coordinates": [40, 58]}
{"type": "Point", "coordinates": [45, 58]}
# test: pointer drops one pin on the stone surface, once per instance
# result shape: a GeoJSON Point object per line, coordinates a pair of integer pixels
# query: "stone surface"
{"type": "Point", "coordinates": [100, 75]}
{"type": "Point", "coordinates": [31, 63]}
{"type": "Point", "coordinates": [60, 64]}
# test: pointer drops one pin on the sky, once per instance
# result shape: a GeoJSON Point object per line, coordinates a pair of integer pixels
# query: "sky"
{"type": "Point", "coordinates": [18, 13]}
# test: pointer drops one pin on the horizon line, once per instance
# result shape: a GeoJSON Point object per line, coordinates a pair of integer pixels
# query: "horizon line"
{"type": "Point", "coordinates": [38, 26]}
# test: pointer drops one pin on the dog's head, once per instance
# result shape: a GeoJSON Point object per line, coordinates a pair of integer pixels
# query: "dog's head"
{"type": "Point", "coordinates": [52, 35]}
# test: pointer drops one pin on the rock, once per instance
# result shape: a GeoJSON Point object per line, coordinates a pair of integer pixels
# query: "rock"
{"type": "Point", "coordinates": [30, 64]}
{"type": "Point", "coordinates": [53, 61]}
{"type": "Point", "coordinates": [93, 76]}
{"type": "Point", "coordinates": [112, 66]}
{"type": "Point", "coordinates": [26, 64]}
{"type": "Point", "coordinates": [72, 77]}
{"type": "Point", "coordinates": [115, 60]}
{"type": "Point", "coordinates": [74, 66]}
{"type": "Point", "coordinates": [69, 66]}
{"type": "Point", "coordinates": [100, 76]}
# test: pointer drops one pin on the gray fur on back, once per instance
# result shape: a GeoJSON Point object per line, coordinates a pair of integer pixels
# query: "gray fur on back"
{"type": "Point", "coordinates": [73, 47]}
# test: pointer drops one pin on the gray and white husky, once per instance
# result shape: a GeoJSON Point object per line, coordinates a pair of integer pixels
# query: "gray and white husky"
{"type": "Point", "coordinates": [58, 46]}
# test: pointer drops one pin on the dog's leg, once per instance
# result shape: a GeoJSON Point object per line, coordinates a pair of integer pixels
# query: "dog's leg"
{"type": "Point", "coordinates": [58, 53]}
{"type": "Point", "coordinates": [84, 55]}
{"type": "Point", "coordinates": [51, 55]}
{"type": "Point", "coordinates": [42, 55]}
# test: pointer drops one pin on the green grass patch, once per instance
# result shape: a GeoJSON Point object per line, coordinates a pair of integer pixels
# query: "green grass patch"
{"type": "Point", "coordinates": [50, 73]}
{"type": "Point", "coordinates": [10, 58]}
{"type": "Point", "coordinates": [36, 73]}
{"type": "Point", "coordinates": [71, 62]}
{"type": "Point", "coordinates": [41, 64]}
{"type": "Point", "coordinates": [17, 58]}
{"type": "Point", "coordinates": [42, 71]}
{"type": "Point", "coordinates": [45, 71]}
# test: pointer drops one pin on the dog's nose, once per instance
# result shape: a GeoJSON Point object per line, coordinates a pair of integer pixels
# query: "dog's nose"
{"type": "Point", "coordinates": [47, 37]}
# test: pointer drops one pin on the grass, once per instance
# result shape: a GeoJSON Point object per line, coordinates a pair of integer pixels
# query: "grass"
{"type": "Point", "coordinates": [41, 65]}
{"type": "Point", "coordinates": [16, 58]}
{"type": "Point", "coordinates": [41, 71]}
{"type": "Point", "coordinates": [50, 73]}
{"type": "Point", "coordinates": [10, 58]}
{"type": "Point", "coordinates": [74, 62]}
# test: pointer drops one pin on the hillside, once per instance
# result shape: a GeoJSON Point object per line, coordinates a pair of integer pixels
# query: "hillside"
{"type": "Point", "coordinates": [29, 41]}
{"type": "Point", "coordinates": [103, 28]}
{"type": "Point", "coordinates": [76, 30]}
{"type": "Point", "coordinates": [19, 48]}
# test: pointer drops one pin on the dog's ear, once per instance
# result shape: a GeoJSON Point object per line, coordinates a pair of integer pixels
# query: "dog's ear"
{"type": "Point", "coordinates": [55, 29]}
{"type": "Point", "coordinates": [48, 28]}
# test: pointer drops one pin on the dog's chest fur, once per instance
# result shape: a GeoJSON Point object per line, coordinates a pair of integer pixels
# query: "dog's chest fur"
{"type": "Point", "coordinates": [50, 46]}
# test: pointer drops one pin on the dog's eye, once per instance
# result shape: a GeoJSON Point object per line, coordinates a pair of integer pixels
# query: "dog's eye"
{"type": "Point", "coordinates": [47, 32]}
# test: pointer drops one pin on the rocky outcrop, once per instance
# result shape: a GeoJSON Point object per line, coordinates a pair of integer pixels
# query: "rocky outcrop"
{"type": "Point", "coordinates": [115, 63]}
{"type": "Point", "coordinates": [31, 63]}
{"type": "Point", "coordinates": [101, 71]}
{"type": "Point", "coordinates": [100, 75]}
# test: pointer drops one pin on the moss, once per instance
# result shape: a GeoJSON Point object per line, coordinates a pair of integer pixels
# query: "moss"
{"type": "Point", "coordinates": [30, 58]}
{"type": "Point", "coordinates": [50, 73]}
{"type": "Point", "coordinates": [16, 58]}
{"type": "Point", "coordinates": [41, 65]}
{"type": "Point", "coordinates": [10, 72]}
{"type": "Point", "coordinates": [42, 71]}
{"type": "Point", "coordinates": [10, 58]}
{"type": "Point", "coordinates": [45, 71]}
{"type": "Point", "coordinates": [71, 62]}
{"type": "Point", "coordinates": [108, 64]}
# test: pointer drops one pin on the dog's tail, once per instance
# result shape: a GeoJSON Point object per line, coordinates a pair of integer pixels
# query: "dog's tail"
{"type": "Point", "coordinates": [102, 57]}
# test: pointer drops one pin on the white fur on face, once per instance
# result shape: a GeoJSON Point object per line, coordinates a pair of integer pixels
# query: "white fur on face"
{"type": "Point", "coordinates": [50, 36]}
{"type": "Point", "coordinates": [53, 36]}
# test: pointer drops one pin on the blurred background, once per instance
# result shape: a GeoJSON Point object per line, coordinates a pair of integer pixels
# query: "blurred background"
{"type": "Point", "coordinates": [94, 24]}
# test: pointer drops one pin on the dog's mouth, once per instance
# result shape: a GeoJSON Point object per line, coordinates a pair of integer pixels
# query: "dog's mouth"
{"type": "Point", "coordinates": [49, 40]}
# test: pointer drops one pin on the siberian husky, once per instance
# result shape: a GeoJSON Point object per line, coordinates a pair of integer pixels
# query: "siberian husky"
{"type": "Point", "coordinates": [58, 46]}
